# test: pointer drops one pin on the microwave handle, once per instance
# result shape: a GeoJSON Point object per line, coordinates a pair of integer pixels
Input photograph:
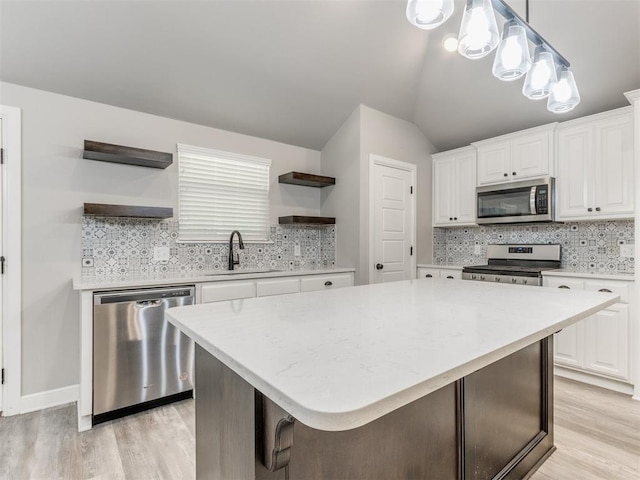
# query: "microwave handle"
{"type": "Point", "coordinates": [532, 200]}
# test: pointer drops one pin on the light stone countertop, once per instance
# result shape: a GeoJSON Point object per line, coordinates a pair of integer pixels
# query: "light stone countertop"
{"type": "Point", "coordinates": [629, 277]}
{"type": "Point", "coordinates": [179, 279]}
{"type": "Point", "coordinates": [441, 266]}
{"type": "Point", "coordinates": [338, 359]}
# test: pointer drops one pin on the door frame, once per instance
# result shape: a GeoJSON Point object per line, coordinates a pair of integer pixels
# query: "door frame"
{"type": "Point", "coordinates": [11, 314]}
{"type": "Point", "coordinates": [408, 167]}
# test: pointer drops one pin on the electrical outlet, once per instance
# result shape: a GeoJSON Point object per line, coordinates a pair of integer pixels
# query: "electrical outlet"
{"type": "Point", "coordinates": [296, 250]}
{"type": "Point", "coordinates": [626, 251]}
{"type": "Point", "coordinates": [477, 250]}
{"type": "Point", "coordinates": [161, 254]}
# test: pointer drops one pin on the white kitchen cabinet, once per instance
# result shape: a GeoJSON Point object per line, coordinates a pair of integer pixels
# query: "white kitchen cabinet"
{"type": "Point", "coordinates": [230, 290]}
{"type": "Point", "coordinates": [595, 167]}
{"type": "Point", "coordinates": [516, 156]}
{"type": "Point", "coordinates": [326, 282]}
{"type": "Point", "coordinates": [277, 286]}
{"type": "Point", "coordinates": [598, 346]}
{"type": "Point", "coordinates": [454, 187]}
{"type": "Point", "coordinates": [447, 273]}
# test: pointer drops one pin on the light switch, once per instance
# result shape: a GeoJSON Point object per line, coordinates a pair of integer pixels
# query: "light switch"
{"type": "Point", "coordinates": [477, 250]}
{"type": "Point", "coordinates": [161, 254]}
{"type": "Point", "coordinates": [296, 250]}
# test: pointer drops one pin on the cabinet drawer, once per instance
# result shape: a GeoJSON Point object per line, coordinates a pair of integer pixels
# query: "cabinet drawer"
{"type": "Point", "coordinates": [618, 288]}
{"type": "Point", "coordinates": [559, 282]}
{"type": "Point", "coordinates": [325, 282]}
{"type": "Point", "coordinates": [228, 291]}
{"type": "Point", "coordinates": [280, 286]}
{"type": "Point", "coordinates": [428, 273]}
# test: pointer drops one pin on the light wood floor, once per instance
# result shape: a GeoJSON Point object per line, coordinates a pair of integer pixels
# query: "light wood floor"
{"type": "Point", "coordinates": [597, 436]}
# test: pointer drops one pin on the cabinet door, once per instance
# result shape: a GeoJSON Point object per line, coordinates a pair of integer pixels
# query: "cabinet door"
{"type": "Point", "coordinates": [279, 286]}
{"type": "Point", "coordinates": [443, 180]}
{"type": "Point", "coordinates": [494, 163]}
{"type": "Point", "coordinates": [531, 155]}
{"type": "Point", "coordinates": [607, 342]}
{"type": "Point", "coordinates": [568, 344]}
{"type": "Point", "coordinates": [575, 172]}
{"type": "Point", "coordinates": [465, 191]}
{"type": "Point", "coordinates": [217, 292]}
{"type": "Point", "coordinates": [428, 273]}
{"type": "Point", "coordinates": [614, 167]}
{"type": "Point", "coordinates": [326, 282]}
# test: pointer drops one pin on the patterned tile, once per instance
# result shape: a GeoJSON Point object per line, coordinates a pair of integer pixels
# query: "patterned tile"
{"type": "Point", "coordinates": [585, 245]}
{"type": "Point", "coordinates": [116, 248]}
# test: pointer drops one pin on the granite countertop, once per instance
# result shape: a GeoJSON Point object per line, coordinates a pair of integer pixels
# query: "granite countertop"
{"type": "Point", "coordinates": [179, 279]}
{"type": "Point", "coordinates": [338, 359]}
{"type": "Point", "coordinates": [596, 274]}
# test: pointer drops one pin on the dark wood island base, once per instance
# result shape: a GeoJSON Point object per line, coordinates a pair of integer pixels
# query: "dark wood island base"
{"type": "Point", "coordinates": [496, 423]}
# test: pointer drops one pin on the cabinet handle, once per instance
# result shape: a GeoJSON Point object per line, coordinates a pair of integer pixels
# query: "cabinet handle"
{"type": "Point", "coordinates": [328, 283]}
{"type": "Point", "coordinates": [605, 290]}
{"type": "Point", "coordinates": [564, 286]}
{"type": "Point", "coordinates": [450, 277]}
{"type": "Point", "coordinates": [506, 174]}
{"type": "Point", "coordinates": [513, 173]}
{"type": "Point", "coordinates": [589, 209]}
{"type": "Point", "coordinates": [597, 209]}
{"type": "Point", "coordinates": [450, 218]}
{"type": "Point", "coordinates": [428, 275]}
{"type": "Point", "coordinates": [455, 218]}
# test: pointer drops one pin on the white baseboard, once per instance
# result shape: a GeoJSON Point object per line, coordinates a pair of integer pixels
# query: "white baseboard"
{"type": "Point", "coordinates": [610, 384]}
{"type": "Point", "coordinates": [49, 398]}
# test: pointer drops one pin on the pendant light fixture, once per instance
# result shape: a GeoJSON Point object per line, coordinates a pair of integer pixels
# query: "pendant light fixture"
{"type": "Point", "coordinates": [537, 84]}
{"type": "Point", "coordinates": [564, 94]}
{"type": "Point", "coordinates": [547, 74]}
{"type": "Point", "coordinates": [478, 30]}
{"type": "Point", "coordinates": [512, 59]}
{"type": "Point", "coordinates": [429, 14]}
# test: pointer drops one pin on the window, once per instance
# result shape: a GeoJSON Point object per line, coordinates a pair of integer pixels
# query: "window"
{"type": "Point", "coordinates": [220, 192]}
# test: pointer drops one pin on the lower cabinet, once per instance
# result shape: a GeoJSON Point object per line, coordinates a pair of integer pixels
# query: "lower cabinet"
{"type": "Point", "coordinates": [430, 272]}
{"type": "Point", "coordinates": [263, 287]}
{"type": "Point", "coordinates": [600, 344]}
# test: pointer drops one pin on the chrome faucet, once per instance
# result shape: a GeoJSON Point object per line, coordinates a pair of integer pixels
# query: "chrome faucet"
{"type": "Point", "coordinates": [233, 262]}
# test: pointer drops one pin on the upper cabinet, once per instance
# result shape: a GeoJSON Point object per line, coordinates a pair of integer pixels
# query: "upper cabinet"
{"type": "Point", "coordinates": [516, 156]}
{"type": "Point", "coordinates": [595, 167]}
{"type": "Point", "coordinates": [454, 187]}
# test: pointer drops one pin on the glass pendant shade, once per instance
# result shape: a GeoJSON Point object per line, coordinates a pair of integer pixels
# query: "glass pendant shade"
{"type": "Point", "coordinates": [512, 57]}
{"type": "Point", "coordinates": [564, 94]}
{"type": "Point", "coordinates": [429, 14]}
{"type": "Point", "coordinates": [478, 30]}
{"type": "Point", "coordinates": [541, 75]}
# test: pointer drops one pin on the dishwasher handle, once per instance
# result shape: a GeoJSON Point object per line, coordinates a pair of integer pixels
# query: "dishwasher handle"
{"type": "Point", "coordinates": [146, 295]}
{"type": "Point", "coordinates": [148, 303]}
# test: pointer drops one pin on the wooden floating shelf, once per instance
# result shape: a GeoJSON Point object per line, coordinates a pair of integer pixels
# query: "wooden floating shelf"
{"type": "Point", "coordinates": [106, 210]}
{"type": "Point", "coordinates": [301, 220]}
{"type": "Point", "coordinates": [306, 179]}
{"type": "Point", "coordinates": [106, 152]}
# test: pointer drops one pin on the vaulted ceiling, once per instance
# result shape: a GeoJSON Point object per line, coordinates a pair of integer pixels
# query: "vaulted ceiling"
{"type": "Point", "coordinates": [293, 70]}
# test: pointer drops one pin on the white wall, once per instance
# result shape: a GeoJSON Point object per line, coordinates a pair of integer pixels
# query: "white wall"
{"type": "Point", "coordinates": [56, 181]}
{"type": "Point", "coordinates": [391, 137]}
{"type": "Point", "coordinates": [340, 159]}
{"type": "Point", "coordinates": [346, 156]}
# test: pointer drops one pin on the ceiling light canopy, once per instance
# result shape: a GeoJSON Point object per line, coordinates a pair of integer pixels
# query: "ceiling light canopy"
{"type": "Point", "coordinates": [547, 74]}
{"type": "Point", "coordinates": [429, 14]}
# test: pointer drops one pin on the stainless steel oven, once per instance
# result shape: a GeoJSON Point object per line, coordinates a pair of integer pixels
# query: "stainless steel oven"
{"type": "Point", "coordinates": [517, 202]}
{"type": "Point", "coordinates": [515, 264]}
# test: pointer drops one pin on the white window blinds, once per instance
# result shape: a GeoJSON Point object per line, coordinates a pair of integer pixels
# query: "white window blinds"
{"type": "Point", "coordinates": [220, 192]}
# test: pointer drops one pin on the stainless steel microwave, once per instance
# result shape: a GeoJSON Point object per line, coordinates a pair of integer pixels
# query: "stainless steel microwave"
{"type": "Point", "coordinates": [527, 201]}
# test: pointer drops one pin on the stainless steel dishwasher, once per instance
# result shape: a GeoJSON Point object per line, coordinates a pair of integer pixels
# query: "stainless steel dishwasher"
{"type": "Point", "coordinates": [139, 359]}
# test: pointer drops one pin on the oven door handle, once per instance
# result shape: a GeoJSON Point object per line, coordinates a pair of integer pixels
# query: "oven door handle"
{"type": "Point", "coordinates": [532, 200]}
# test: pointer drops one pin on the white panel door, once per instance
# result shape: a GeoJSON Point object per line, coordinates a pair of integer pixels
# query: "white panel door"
{"type": "Point", "coordinates": [1, 253]}
{"type": "Point", "coordinates": [568, 344]}
{"type": "Point", "coordinates": [575, 167]}
{"type": "Point", "coordinates": [614, 166]}
{"type": "Point", "coordinates": [494, 163]}
{"type": "Point", "coordinates": [530, 155]}
{"type": "Point", "coordinates": [393, 223]}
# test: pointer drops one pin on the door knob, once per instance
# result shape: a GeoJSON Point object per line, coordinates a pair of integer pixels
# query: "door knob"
{"type": "Point", "coordinates": [379, 266]}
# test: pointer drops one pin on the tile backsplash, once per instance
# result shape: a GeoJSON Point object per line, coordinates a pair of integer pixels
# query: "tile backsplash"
{"type": "Point", "coordinates": [116, 248]}
{"type": "Point", "coordinates": [586, 246]}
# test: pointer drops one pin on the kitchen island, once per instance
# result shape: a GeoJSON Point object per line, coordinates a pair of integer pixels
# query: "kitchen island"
{"type": "Point", "coordinates": [415, 379]}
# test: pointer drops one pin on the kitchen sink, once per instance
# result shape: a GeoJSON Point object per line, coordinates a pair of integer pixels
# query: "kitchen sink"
{"type": "Point", "coordinates": [240, 272]}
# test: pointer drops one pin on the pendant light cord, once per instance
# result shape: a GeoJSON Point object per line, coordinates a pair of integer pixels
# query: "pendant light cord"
{"type": "Point", "coordinates": [527, 10]}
